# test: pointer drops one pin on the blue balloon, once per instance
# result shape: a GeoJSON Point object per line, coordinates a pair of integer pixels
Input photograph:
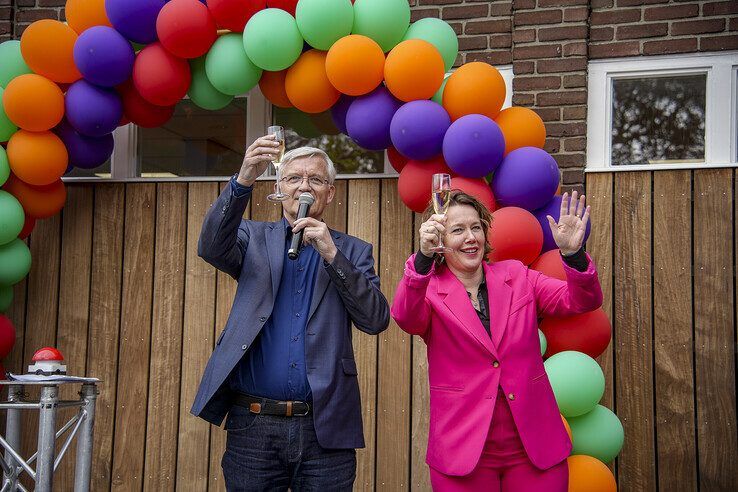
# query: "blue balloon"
{"type": "Point", "coordinates": [339, 110]}
{"type": "Point", "coordinates": [369, 117]}
{"type": "Point", "coordinates": [552, 208]}
{"type": "Point", "coordinates": [84, 152]}
{"type": "Point", "coordinates": [93, 111]}
{"type": "Point", "coordinates": [418, 128]}
{"type": "Point", "coordinates": [473, 146]}
{"type": "Point", "coordinates": [527, 178]}
{"type": "Point", "coordinates": [135, 19]}
{"type": "Point", "coordinates": [103, 56]}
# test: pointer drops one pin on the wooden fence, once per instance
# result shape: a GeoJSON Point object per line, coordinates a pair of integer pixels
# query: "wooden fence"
{"type": "Point", "coordinates": [117, 286]}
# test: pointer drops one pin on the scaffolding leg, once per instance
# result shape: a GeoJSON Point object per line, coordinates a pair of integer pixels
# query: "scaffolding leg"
{"type": "Point", "coordinates": [84, 439]}
{"type": "Point", "coordinates": [46, 438]}
{"type": "Point", "coordinates": [13, 433]}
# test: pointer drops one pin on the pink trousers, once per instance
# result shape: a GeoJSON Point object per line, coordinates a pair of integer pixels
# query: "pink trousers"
{"type": "Point", "coordinates": [504, 466]}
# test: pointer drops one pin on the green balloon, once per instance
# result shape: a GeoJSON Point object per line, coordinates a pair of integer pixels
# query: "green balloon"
{"type": "Point", "coordinates": [272, 40]}
{"type": "Point", "coordinates": [438, 96]}
{"type": "Point", "coordinates": [15, 262]}
{"type": "Point", "coordinates": [228, 68]}
{"type": "Point", "coordinates": [7, 127]}
{"type": "Point", "coordinates": [542, 340]}
{"type": "Point", "coordinates": [323, 22]}
{"type": "Point", "coordinates": [11, 62]}
{"type": "Point", "coordinates": [439, 34]}
{"type": "Point", "coordinates": [385, 21]}
{"type": "Point", "coordinates": [6, 297]}
{"type": "Point", "coordinates": [202, 92]}
{"type": "Point", "coordinates": [12, 217]}
{"type": "Point", "coordinates": [4, 165]}
{"type": "Point", "coordinates": [577, 382]}
{"type": "Point", "coordinates": [598, 433]}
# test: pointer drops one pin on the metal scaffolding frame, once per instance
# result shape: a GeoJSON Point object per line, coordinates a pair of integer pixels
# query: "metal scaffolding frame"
{"type": "Point", "coordinates": [81, 424]}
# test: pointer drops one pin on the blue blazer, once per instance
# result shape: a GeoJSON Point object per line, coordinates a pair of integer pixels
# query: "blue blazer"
{"type": "Point", "coordinates": [346, 291]}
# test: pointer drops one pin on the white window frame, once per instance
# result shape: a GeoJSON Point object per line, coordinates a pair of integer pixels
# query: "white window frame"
{"type": "Point", "coordinates": [258, 118]}
{"type": "Point", "coordinates": [720, 115]}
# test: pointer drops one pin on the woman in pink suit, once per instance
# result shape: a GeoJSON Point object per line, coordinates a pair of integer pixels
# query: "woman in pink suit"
{"type": "Point", "coordinates": [494, 422]}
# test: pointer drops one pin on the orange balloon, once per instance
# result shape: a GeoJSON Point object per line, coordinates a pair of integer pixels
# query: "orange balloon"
{"type": "Point", "coordinates": [522, 127]}
{"type": "Point", "coordinates": [84, 14]}
{"type": "Point", "coordinates": [475, 88]}
{"type": "Point", "coordinates": [355, 65]}
{"type": "Point", "coordinates": [568, 429]}
{"type": "Point", "coordinates": [414, 70]}
{"type": "Point", "coordinates": [272, 86]}
{"type": "Point", "coordinates": [588, 474]}
{"type": "Point", "coordinates": [39, 202]}
{"type": "Point", "coordinates": [38, 158]}
{"type": "Point", "coordinates": [47, 47]}
{"type": "Point", "coordinates": [33, 102]}
{"type": "Point", "coordinates": [307, 84]}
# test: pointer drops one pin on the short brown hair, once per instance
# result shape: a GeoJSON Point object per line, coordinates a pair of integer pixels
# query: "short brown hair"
{"type": "Point", "coordinates": [458, 197]}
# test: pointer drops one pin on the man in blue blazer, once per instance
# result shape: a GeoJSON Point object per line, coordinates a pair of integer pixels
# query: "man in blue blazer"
{"type": "Point", "coordinates": [283, 369]}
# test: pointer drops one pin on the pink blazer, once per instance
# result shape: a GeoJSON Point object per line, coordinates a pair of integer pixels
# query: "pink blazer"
{"type": "Point", "coordinates": [465, 366]}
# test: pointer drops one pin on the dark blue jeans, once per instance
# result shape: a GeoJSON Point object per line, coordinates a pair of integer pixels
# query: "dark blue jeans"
{"type": "Point", "coordinates": [269, 453]}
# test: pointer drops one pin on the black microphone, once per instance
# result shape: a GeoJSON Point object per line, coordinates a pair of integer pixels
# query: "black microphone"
{"type": "Point", "coordinates": [306, 199]}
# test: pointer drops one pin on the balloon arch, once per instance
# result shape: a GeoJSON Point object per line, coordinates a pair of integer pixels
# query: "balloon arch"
{"type": "Point", "coordinates": [387, 84]}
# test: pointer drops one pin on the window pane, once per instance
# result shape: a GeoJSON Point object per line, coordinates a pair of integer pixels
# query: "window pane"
{"type": "Point", "coordinates": [195, 142]}
{"type": "Point", "coordinates": [658, 120]}
{"type": "Point", "coordinates": [102, 171]}
{"type": "Point", "coordinates": [302, 130]}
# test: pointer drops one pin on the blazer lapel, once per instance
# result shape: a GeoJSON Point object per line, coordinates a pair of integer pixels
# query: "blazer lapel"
{"type": "Point", "coordinates": [275, 239]}
{"type": "Point", "coordinates": [322, 280]}
{"type": "Point", "coordinates": [457, 301]}
{"type": "Point", "coordinates": [500, 295]}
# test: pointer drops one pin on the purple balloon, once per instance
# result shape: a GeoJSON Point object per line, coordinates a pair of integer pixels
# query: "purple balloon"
{"type": "Point", "coordinates": [85, 152]}
{"type": "Point", "coordinates": [369, 117]}
{"type": "Point", "coordinates": [339, 110]}
{"type": "Point", "coordinates": [103, 56]}
{"type": "Point", "coordinates": [135, 19]}
{"type": "Point", "coordinates": [552, 208]}
{"type": "Point", "coordinates": [418, 128]}
{"type": "Point", "coordinates": [93, 111]}
{"type": "Point", "coordinates": [473, 146]}
{"type": "Point", "coordinates": [527, 178]}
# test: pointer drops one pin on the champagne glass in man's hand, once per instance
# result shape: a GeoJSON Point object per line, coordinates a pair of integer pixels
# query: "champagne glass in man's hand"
{"type": "Point", "coordinates": [258, 156]}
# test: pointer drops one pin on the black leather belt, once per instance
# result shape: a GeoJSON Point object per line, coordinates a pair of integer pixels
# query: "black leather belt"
{"type": "Point", "coordinates": [267, 406]}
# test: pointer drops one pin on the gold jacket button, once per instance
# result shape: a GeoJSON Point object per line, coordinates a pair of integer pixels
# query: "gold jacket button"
{"type": "Point", "coordinates": [495, 364]}
{"type": "Point", "coordinates": [511, 396]}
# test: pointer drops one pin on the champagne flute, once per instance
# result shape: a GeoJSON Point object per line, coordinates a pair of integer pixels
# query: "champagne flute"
{"type": "Point", "coordinates": [441, 193]}
{"type": "Point", "coordinates": [278, 133]}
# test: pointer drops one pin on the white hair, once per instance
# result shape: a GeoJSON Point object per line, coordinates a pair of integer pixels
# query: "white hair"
{"type": "Point", "coordinates": [307, 152]}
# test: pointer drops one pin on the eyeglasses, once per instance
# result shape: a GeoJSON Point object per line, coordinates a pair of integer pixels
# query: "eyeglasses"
{"type": "Point", "coordinates": [313, 181]}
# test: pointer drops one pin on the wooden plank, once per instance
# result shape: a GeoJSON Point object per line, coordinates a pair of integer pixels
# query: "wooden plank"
{"type": "Point", "coordinates": [74, 305]}
{"type": "Point", "coordinates": [713, 322]}
{"type": "Point", "coordinates": [393, 402]}
{"type": "Point", "coordinates": [17, 315]}
{"type": "Point", "coordinates": [135, 337]}
{"type": "Point", "coordinates": [166, 338]}
{"type": "Point", "coordinates": [199, 322]}
{"type": "Point", "coordinates": [633, 350]}
{"type": "Point", "coordinates": [363, 222]}
{"type": "Point", "coordinates": [672, 294]}
{"type": "Point", "coordinates": [335, 213]}
{"type": "Point", "coordinates": [102, 342]}
{"type": "Point", "coordinates": [599, 246]}
{"type": "Point", "coordinates": [261, 208]}
{"type": "Point", "coordinates": [419, 472]}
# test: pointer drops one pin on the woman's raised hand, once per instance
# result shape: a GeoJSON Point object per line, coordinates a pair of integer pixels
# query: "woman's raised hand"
{"type": "Point", "coordinates": [569, 231]}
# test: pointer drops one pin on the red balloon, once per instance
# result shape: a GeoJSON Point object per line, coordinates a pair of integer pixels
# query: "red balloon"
{"type": "Point", "coordinates": [416, 181]}
{"type": "Point", "coordinates": [234, 14]}
{"type": "Point", "coordinates": [589, 333]}
{"type": "Point", "coordinates": [186, 28]}
{"type": "Point", "coordinates": [28, 226]}
{"type": "Point", "coordinates": [397, 160]}
{"type": "Point", "coordinates": [3, 375]}
{"type": "Point", "coordinates": [288, 5]}
{"type": "Point", "coordinates": [515, 234]}
{"type": "Point", "coordinates": [141, 112]}
{"type": "Point", "coordinates": [7, 336]}
{"type": "Point", "coordinates": [550, 264]}
{"type": "Point", "coordinates": [160, 77]}
{"type": "Point", "coordinates": [476, 187]}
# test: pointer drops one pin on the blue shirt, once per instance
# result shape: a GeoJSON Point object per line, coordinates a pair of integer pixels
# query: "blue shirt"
{"type": "Point", "coordinates": [274, 366]}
